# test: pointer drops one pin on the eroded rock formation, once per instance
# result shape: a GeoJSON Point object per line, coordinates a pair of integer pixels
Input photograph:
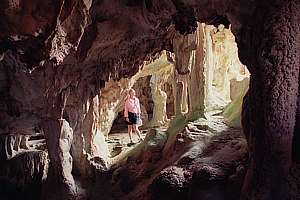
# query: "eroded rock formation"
{"type": "Point", "coordinates": [60, 183]}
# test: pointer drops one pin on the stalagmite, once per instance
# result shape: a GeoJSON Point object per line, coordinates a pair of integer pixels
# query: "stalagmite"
{"type": "Point", "coordinates": [59, 183]}
{"type": "Point", "coordinates": [197, 77]}
{"type": "Point", "coordinates": [14, 144]}
{"type": "Point", "coordinates": [88, 140]}
{"type": "Point", "coordinates": [177, 111]}
{"type": "Point", "coordinates": [159, 97]}
{"type": "Point", "coordinates": [227, 65]}
{"type": "Point", "coordinates": [10, 142]}
{"type": "Point", "coordinates": [270, 48]}
{"type": "Point", "coordinates": [24, 142]}
{"type": "Point", "coordinates": [178, 97]}
{"type": "Point", "coordinates": [232, 112]}
{"type": "Point", "coordinates": [189, 62]}
{"type": "Point", "coordinates": [180, 102]}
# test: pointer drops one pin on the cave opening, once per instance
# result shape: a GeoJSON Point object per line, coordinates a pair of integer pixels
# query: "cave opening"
{"type": "Point", "coordinates": [225, 81]}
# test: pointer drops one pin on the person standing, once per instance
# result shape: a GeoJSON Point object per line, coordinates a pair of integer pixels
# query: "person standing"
{"type": "Point", "coordinates": [132, 114]}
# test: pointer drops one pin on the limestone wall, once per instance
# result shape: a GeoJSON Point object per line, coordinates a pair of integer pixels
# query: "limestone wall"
{"type": "Point", "coordinates": [227, 65]}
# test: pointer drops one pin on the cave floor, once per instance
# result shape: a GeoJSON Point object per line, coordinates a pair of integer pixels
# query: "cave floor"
{"type": "Point", "coordinates": [119, 143]}
{"type": "Point", "coordinates": [205, 145]}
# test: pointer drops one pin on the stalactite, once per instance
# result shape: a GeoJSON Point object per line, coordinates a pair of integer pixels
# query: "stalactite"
{"type": "Point", "coordinates": [189, 63]}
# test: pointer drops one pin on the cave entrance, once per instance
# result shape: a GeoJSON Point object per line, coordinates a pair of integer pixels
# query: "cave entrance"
{"type": "Point", "coordinates": [202, 77]}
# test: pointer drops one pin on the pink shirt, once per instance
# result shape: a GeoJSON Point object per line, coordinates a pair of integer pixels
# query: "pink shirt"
{"type": "Point", "coordinates": [132, 105]}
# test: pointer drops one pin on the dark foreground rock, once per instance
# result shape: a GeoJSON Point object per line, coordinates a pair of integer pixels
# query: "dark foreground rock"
{"type": "Point", "coordinates": [22, 177]}
{"type": "Point", "coordinates": [216, 173]}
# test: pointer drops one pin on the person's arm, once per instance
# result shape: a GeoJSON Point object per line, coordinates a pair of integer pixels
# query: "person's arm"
{"type": "Point", "coordinates": [125, 110]}
{"type": "Point", "coordinates": [138, 106]}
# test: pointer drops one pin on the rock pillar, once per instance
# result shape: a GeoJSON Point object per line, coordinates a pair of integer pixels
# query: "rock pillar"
{"type": "Point", "coordinates": [59, 183]}
{"type": "Point", "coordinates": [269, 46]}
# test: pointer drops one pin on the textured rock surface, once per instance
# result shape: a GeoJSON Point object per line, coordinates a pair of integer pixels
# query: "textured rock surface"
{"type": "Point", "coordinates": [270, 108]}
{"type": "Point", "coordinates": [22, 176]}
{"type": "Point", "coordinates": [171, 183]}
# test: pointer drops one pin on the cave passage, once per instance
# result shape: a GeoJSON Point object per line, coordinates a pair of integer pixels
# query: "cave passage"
{"type": "Point", "coordinates": [224, 81]}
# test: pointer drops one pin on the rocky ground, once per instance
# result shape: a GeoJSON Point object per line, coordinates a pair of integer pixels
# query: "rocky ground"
{"type": "Point", "coordinates": [204, 158]}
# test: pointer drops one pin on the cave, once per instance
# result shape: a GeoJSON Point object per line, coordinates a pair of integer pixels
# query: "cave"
{"type": "Point", "coordinates": [212, 131]}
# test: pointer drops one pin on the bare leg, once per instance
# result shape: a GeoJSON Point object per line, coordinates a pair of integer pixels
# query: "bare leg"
{"type": "Point", "coordinates": [136, 130]}
{"type": "Point", "coordinates": [130, 133]}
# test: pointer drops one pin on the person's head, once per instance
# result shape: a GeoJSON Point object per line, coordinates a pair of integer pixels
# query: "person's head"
{"type": "Point", "coordinates": [131, 92]}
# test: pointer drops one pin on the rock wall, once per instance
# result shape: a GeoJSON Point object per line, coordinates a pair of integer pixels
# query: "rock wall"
{"type": "Point", "coordinates": [227, 65]}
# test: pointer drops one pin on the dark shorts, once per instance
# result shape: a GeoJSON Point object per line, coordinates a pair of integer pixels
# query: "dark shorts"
{"type": "Point", "coordinates": [133, 118]}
